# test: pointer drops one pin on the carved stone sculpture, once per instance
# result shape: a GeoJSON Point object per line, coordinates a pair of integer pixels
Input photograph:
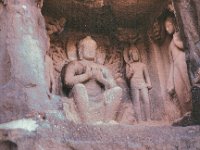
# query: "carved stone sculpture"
{"type": "Point", "coordinates": [140, 83]}
{"type": "Point", "coordinates": [92, 83]}
{"type": "Point", "coordinates": [197, 79]}
{"type": "Point", "coordinates": [178, 82]}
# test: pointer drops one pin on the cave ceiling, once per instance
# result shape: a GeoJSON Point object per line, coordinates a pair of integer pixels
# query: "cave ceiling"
{"type": "Point", "coordinates": [105, 15]}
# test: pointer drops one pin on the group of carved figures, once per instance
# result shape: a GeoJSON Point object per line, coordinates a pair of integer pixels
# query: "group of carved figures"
{"type": "Point", "coordinates": [91, 82]}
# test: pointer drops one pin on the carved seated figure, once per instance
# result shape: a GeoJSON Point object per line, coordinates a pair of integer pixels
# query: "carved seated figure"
{"type": "Point", "coordinates": [92, 83]}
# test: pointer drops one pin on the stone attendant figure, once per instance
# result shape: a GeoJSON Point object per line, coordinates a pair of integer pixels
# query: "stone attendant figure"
{"type": "Point", "coordinates": [140, 83]}
{"type": "Point", "coordinates": [178, 82]}
{"type": "Point", "coordinates": [92, 83]}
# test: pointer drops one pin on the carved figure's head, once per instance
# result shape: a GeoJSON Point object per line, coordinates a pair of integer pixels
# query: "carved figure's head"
{"type": "Point", "coordinates": [170, 25]}
{"type": "Point", "coordinates": [133, 54]}
{"type": "Point", "coordinates": [87, 48]}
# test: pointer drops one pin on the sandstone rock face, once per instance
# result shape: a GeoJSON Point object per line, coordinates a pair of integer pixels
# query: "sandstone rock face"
{"type": "Point", "coordinates": [191, 36]}
{"type": "Point", "coordinates": [50, 136]}
{"type": "Point", "coordinates": [105, 14]}
{"type": "Point", "coordinates": [24, 42]}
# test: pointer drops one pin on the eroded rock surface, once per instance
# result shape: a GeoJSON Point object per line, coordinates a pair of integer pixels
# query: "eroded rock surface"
{"type": "Point", "coordinates": [57, 135]}
{"type": "Point", "coordinates": [38, 121]}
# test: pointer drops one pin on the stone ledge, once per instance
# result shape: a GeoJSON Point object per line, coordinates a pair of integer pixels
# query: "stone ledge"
{"type": "Point", "coordinates": [62, 136]}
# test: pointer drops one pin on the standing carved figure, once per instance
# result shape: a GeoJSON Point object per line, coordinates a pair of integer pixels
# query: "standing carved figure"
{"type": "Point", "coordinates": [178, 82]}
{"type": "Point", "coordinates": [92, 83]}
{"type": "Point", "coordinates": [140, 83]}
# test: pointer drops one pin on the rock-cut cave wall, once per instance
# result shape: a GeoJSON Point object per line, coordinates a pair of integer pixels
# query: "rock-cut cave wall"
{"type": "Point", "coordinates": [64, 49]}
{"type": "Point", "coordinates": [24, 89]}
{"type": "Point", "coordinates": [23, 44]}
{"type": "Point", "coordinates": [114, 41]}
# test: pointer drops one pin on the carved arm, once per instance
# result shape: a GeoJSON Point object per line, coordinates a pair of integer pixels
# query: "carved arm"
{"type": "Point", "coordinates": [70, 75]}
{"type": "Point", "coordinates": [147, 77]}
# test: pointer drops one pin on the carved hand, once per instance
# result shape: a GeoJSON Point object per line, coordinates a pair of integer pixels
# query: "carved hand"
{"type": "Point", "coordinates": [89, 72]}
{"type": "Point", "coordinates": [171, 91]}
{"type": "Point", "coordinates": [149, 87]}
{"type": "Point", "coordinates": [97, 74]}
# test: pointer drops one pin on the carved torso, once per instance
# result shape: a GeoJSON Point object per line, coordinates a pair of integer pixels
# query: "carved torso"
{"type": "Point", "coordinates": [178, 55]}
{"type": "Point", "coordinates": [137, 80]}
{"type": "Point", "coordinates": [94, 89]}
